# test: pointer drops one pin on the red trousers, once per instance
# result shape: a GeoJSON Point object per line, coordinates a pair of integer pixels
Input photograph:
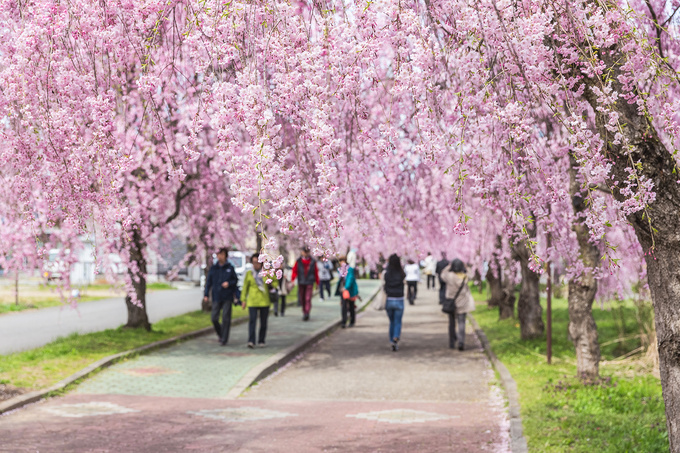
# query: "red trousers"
{"type": "Point", "coordinates": [305, 297]}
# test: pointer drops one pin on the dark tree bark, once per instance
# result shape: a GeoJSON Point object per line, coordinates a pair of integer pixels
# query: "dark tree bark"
{"type": "Point", "coordinates": [137, 317]}
{"type": "Point", "coordinates": [495, 288]}
{"type": "Point", "coordinates": [207, 305]}
{"type": "Point", "coordinates": [529, 310]}
{"type": "Point", "coordinates": [657, 228]}
{"type": "Point", "coordinates": [582, 291]}
{"type": "Point", "coordinates": [506, 306]}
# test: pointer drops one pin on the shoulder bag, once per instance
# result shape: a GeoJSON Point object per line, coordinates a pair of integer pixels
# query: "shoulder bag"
{"type": "Point", "coordinates": [449, 305]}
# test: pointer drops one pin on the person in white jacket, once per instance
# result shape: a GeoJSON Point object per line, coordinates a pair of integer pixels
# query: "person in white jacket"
{"type": "Point", "coordinates": [429, 269]}
{"type": "Point", "coordinates": [412, 271]}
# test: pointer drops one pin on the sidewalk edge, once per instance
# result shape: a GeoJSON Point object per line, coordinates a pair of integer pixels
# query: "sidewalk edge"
{"type": "Point", "coordinates": [518, 443]}
{"type": "Point", "coordinates": [32, 397]}
{"type": "Point", "coordinates": [278, 360]}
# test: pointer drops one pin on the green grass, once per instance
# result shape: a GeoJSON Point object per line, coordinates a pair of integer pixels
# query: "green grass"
{"type": "Point", "coordinates": [44, 366]}
{"type": "Point", "coordinates": [52, 298]}
{"type": "Point", "coordinates": [622, 414]}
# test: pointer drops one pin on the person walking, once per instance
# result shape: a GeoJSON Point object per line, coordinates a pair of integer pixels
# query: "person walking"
{"type": "Point", "coordinates": [429, 269]}
{"type": "Point", "coordinates": [256, 297]}
{"type": "Point", "coordinates": [394, 304]}
{"type": "Point", "coordinates": [349, 295]}
{"type": "Point", "coordinates": [459, 301]}
{"type": "Point", "coordinates": [223, 282]}
{"type": "Point", "coordinates": [306, 272]}
{"type": "Point", "coordinates": [441, 265]}
{"type": "Point", "coordinates": [284, 289]}
{"type": "Point", "coordinates": [412, 271]}
{"type": "Point", "coordinates": [325, 277]}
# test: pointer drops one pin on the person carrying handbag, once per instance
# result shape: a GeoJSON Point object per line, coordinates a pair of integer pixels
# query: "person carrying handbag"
{"type": "Point", "coordinates": [458, 301]}
{"type": "Point", "coordinates": [349, 295]}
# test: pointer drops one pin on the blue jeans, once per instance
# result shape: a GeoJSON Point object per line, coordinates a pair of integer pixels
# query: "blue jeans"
{"type": "Point", "coordinates": [394, 307]}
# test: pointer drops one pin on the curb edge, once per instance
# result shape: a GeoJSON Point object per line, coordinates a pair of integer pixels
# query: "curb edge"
{"type": "Point", "coordinates": [31, 397]}
{"type": "Point", "coordinates": [278, 360]}
{"type": "Point", "coordinates": [518, 443]}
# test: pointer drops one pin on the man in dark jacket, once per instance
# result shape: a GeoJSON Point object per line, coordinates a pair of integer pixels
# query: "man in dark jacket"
{"type": "Point", "coordinates": [223, 281]}
{"type": "Point", "coordinates": [307, 274]}
{"type": "Point", "coordinates": [441, 265]}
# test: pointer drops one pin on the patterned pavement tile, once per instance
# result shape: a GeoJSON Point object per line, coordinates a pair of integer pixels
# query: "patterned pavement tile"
{"type": "Point", "coordinates": [245, 414]}
{"type": "Point", "coordinates": [90, 409]}
{"type": "Point", "coordinates": [201, 368]}
{"type": "Point", "coordinates": [401, 416]}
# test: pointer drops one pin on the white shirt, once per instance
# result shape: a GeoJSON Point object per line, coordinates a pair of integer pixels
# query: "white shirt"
{"type": "Point", "coordinates": [430, 265]}
{"type": "Point", "coordinates": [412, 272]}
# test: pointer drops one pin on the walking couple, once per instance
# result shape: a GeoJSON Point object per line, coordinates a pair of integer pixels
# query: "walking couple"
{"type": "Point", "coordinates": [457, 304]}
{"type": "Point", "coordinates": [256, 296]}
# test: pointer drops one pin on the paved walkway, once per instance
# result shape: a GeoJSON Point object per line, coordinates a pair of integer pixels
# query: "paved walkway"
{"type": "Point", "coordinates": [31, 329]}
{"type": "Point", "coordinates": [348, 393]}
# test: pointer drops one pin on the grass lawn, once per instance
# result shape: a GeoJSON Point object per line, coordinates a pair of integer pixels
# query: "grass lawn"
{"type": "Point", "coordinates": [31, 297]}
{"type": "Point", "coordinates": [47, 365]}
{"type": "Point", "coordinates": [625, 413]}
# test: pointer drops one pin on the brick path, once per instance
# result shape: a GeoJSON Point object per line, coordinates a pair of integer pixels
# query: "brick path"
{"type": "Point", "coordinates": [348, 393]}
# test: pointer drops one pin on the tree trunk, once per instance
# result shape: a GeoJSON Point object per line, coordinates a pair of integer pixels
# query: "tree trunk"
{"type": "Point", "coordinates": [506, 306]}
{"type": "Point", "coordinates": [137, 316]}
{"type": "Point", "coordinates": [495, 287]}
{"type": "Point", "coordinates": [656, 227]}
{"type": "Point", "coordinates": [582, 291]}
{"type": "Point", "coordinates": [207, 305]}
{"type": "Point", "coordinates": [529, 310]}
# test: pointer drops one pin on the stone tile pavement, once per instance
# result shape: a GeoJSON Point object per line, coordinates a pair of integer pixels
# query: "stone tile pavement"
{"type": "Point", "coordinates": [348, 393]}
{"type": "Point", "coordinates": [201, 368]}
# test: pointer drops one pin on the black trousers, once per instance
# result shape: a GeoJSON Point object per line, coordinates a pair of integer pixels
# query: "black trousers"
{"type": "Point", "coordinates": [263, 312]}
{"type": "Point", "coordinates": [349, 307]}
{"type": "Point", "coordinates": [282, 301]}
{"type": "Point", "coordinates": [412, 291]}
{"type": "Point", "coordinates": [324, 284]}
{"type": "Point", "coordinates": [430, 278]}
{"type": "Point", "coordinates": [442, 292]}
{"type": "Point", "coordinates": [453, 335]}
{"type": "Point", "coordinates": [222, 330]}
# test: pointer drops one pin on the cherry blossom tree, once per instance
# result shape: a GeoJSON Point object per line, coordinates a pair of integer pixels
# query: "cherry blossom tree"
{"type": "Point", "coordinates": [333, 118]}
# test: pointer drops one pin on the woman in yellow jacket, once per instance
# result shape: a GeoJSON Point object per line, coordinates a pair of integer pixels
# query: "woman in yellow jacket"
{"type": "Point", "coordinates": [256, 296]}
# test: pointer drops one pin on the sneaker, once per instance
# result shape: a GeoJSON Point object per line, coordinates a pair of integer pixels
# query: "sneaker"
{"type": "Point", "coordinates": [461, 347]}
{"type": "Point", "coordinates": [395, 347]}
{"type": "Point", "coordinates": [251, 345]}
{"type": "Point", "coordinates": [262, 345]}
{"type": "Point", "coordinates": [223, 343]}
{"type": "Point", "coordinates": [305, 317]}
{"type": "Point", "coordinates": [276, 313]}
{"type": "Point", "coordinates": [342, 326]}
{"type": "Point", "coordinates": [351, 324]}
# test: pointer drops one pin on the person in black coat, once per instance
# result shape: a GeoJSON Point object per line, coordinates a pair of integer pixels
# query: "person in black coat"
{"type": "Point", "coordinates": [394, 302]}
{"type": "Point", "coordinates": [223, 281]}
{"type": "Point", "coordinates": [441, 265]}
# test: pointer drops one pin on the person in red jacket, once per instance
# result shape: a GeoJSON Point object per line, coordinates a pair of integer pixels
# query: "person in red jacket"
{"type": "Point", "coordinates": [307, 274]}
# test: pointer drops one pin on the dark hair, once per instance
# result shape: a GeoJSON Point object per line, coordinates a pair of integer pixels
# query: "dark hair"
{"type": "Point", "coordinates": [342, 258]}
{"type": "Point", "coordinates": [394, 264]}
{"type": "Point", "coordinates": [411, 262]}
{"type": "Point", "coordinates": [457, 266]}
{"type": "Point", "coordinates": [305, 248]}
{"type": "Point", "coordinates": [254, 255]}
{"type": "Point", "coordinates": [223, 250]}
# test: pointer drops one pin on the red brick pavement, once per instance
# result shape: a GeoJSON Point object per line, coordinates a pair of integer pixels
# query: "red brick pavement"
{"type": "Point", "coordinates": [166, 425]}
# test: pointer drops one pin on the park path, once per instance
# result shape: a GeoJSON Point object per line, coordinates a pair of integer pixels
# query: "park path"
{"type": "Point", "coordinates": [348, 393]}
{"type": "Point", "coordinates": [31, 329]}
